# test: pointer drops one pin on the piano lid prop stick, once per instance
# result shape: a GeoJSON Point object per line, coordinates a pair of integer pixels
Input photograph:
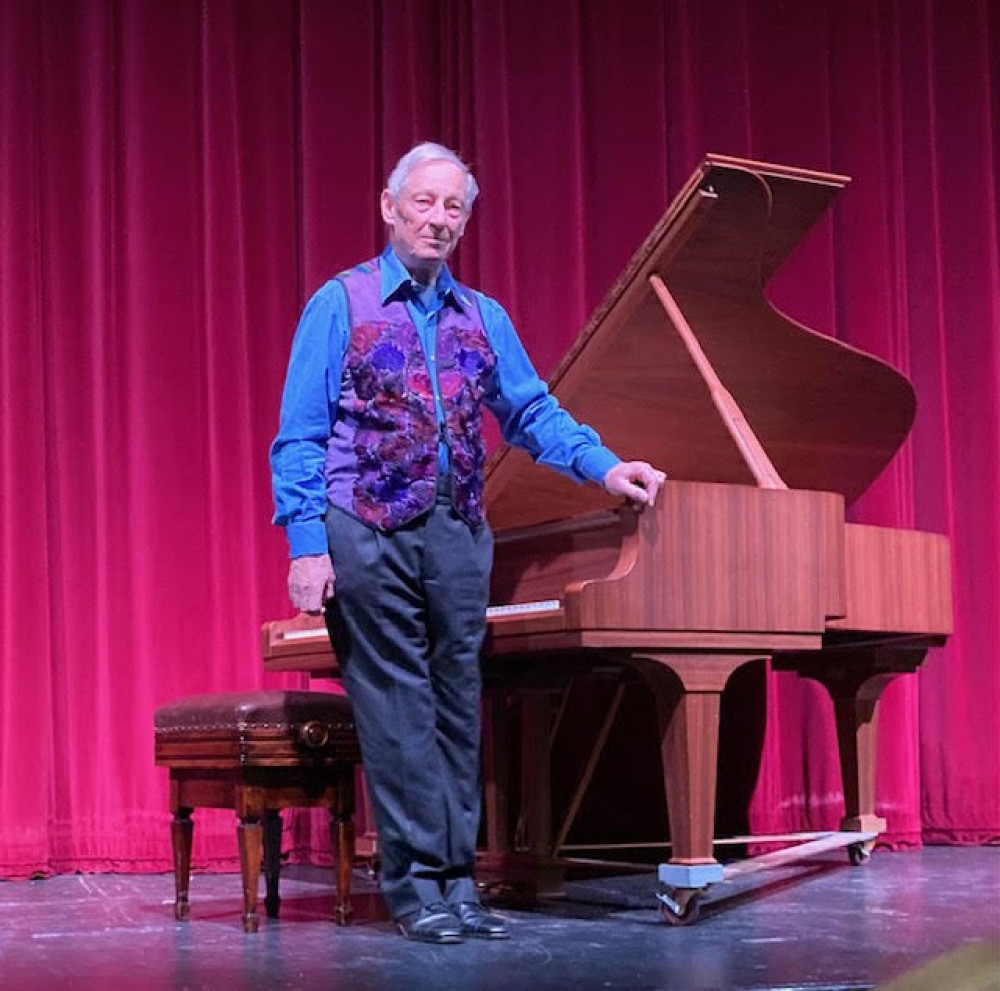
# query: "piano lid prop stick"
{"type": "Point", "coordinates": [764, 472]}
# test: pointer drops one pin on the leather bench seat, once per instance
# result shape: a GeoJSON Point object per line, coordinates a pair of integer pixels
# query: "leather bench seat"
{"type": "Point", "coordinates": [258, 753]}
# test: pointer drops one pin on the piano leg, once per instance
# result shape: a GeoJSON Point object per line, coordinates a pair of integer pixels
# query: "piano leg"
{"type": "Point", "coordinates": [496, 774]}
{"type": "Point", "coordinates": [535, 830]}
{"type": "Point", "coordinates": [856, 680]}
{"type": "Point", "coordinates": [687, 691]}
{"type": "Point", "coordinates": [519, 867]}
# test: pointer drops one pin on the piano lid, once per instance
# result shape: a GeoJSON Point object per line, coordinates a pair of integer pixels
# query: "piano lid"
{"type": "Point", "coordinates": [829, 416]}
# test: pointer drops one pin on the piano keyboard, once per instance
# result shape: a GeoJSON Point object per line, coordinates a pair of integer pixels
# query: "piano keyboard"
{"type": "Point", "coordinates": [316, 633]}
{"type": "Point", "coordinates": [523, 608]}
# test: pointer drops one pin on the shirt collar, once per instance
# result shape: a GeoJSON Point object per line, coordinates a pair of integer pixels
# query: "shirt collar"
{"type": "Point", "coordinates": [395, 280]}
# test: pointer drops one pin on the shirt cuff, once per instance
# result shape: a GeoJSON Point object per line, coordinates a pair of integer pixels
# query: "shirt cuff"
{"type": "Point", "coordinates": [595, 462]}
{"type": "Point", "coordinates": [307, 537]}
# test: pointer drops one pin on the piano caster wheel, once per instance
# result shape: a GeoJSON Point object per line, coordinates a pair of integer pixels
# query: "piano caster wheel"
{"type": "Point", "coordinates": [860, 853]}
{"type": "Point", "coordinates": [679, 906]}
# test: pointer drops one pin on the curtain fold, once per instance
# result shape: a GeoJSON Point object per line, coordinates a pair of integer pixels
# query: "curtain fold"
{"type": "Point", "coordinates": [176, 179]}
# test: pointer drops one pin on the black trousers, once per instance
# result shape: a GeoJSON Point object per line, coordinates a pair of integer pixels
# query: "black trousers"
{"type": "Point", "coordinates": [407, 622]}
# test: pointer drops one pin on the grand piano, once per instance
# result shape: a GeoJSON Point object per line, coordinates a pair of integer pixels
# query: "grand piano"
{"type": "Point", "coordinates": [768, 431]}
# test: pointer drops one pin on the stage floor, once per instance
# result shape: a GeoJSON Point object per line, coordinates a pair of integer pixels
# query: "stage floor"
{"type": "Point", "coordinates": [819, 925]}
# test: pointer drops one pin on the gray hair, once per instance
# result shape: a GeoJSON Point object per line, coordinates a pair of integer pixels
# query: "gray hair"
{"type": "Point", "coordinates": [428, 151]}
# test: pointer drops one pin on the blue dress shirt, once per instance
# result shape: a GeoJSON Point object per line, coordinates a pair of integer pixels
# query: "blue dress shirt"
{"type": "Point", "coordinates": [529, 416]}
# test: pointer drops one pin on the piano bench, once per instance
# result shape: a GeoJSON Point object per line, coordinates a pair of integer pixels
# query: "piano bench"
{"type": "Point", "coordinates": [258, 753]}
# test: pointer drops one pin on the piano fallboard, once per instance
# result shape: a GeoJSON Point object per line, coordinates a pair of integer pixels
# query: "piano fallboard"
{"type": "Point", "coordinates": [720, 561]}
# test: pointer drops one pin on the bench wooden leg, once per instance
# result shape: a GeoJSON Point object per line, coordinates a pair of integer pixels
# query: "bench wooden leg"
{"type": "Point", "coordinates": [342, 840]}
{"type": "Point", "coordinates": [272, 861]}
{"type": "Point", "coordinates": [251, 841]}
{"type": "Point", "coordinates": [182, 837]}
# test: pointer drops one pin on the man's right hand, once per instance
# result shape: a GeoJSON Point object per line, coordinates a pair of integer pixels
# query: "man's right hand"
{"type": "Point", "coordinates": [310, 582]}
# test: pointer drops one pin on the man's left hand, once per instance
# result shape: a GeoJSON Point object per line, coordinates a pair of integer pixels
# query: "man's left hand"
{"type": "Point", "coordinates": [636, 480]}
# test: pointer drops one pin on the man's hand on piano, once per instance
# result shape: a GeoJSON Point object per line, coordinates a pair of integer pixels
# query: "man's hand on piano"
{"type": "Point", "coordinates": [310, 582]}
{"type": "Point", "coordinates": [636, 480]}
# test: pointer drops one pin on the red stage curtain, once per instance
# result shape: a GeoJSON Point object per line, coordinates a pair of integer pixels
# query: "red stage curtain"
{"type": "Point", "coordinates": [175, 180]}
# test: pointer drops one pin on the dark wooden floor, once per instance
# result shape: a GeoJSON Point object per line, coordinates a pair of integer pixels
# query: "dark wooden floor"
{"type": "Point", "coordinates": [820, 925]}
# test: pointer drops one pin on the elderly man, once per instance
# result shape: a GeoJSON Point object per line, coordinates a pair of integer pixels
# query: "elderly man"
{"type": "Point", "coordinates": [378, 477]}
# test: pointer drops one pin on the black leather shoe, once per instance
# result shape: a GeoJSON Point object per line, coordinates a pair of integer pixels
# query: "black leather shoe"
{"type": "Point", "coordinates": [435, 923]}
{"type": "Point", "coordinates": [479, 923]}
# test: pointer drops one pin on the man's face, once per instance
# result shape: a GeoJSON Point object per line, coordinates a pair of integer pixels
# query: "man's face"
{"type": "Point", "coordinates": [428, 218]}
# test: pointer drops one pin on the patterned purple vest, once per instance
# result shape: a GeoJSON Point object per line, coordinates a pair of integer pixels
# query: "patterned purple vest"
{"type": "Point", "coordinates": [382, 458]}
